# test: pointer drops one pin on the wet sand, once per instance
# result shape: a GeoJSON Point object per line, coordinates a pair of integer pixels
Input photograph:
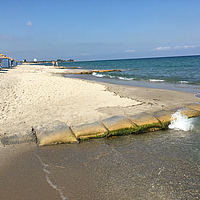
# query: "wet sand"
{"type": "Point", "coordinates": [154, 166]}
{"type": "Point", "coordinates": [96, 169]}
{"type": "Point", "coordinates": [21, 174]}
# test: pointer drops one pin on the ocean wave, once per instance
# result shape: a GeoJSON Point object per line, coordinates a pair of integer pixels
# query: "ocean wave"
{"type": "Point", "coordinates": [125, 78]}
{"type": "Point", "coordinates": [112, 77]}
{"type": "Point", "coordinates": [156, 80]}
{"type": "Point", "coordinates": [184, 82]}
{"type": "Point", "coordinates": [98, 75]}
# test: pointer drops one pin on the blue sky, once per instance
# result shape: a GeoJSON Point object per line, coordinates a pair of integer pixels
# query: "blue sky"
{"type": "Point", "coordinates": [99, 29]}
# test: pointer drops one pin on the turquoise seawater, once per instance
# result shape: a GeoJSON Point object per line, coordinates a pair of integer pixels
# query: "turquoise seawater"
{"type": "Point", "coordinates": [180, 70]}
{"type": "Point", "coordinates": [178, 73]}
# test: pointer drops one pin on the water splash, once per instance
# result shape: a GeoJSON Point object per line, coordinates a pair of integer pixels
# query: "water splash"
{"type": "Point", "coordinates": [180, 121]}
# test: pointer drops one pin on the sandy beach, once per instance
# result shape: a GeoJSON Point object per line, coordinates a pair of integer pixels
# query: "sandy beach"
{"type": "Point", "coordinates": [31, 95]}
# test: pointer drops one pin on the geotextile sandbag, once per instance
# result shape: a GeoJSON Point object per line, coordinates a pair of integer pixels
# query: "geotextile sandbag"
{"type": "Point", "coordinates": [195, 106]}
{"type": "Point", "coordinates": [54, 133]}
{"type": "Point", "coordinates": [119, 125]}
{"type": "Point", "coordinates": [164, 116]}
{"type": "Point", "coordinates": [190, 112]}
{"type": "Point", "coordinates": [90, 130]}
{"type": "Point", "coordinates": [145, 122]}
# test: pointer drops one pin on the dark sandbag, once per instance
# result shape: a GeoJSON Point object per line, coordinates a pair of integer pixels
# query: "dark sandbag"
{"type": "Point", "coordinates": [19, 136]}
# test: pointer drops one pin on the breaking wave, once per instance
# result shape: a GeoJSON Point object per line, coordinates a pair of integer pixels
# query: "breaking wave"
{"type": "Point", "coordinates": [156, 80]}
{"type": "Point", "coordinates": [98, 75]}
{"type": "Point", "coordinates": [109, 76]}
{"type": "Point", "coordinates": [180, 121]}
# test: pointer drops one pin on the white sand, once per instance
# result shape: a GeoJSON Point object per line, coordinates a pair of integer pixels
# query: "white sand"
{"type": "Point", "coordinates": [31, 94]}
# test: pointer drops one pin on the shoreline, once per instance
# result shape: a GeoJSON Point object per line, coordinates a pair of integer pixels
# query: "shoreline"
{"type": "Point", "coordinates": [154, 85]}
{"type": "Point", "coordinates": [34, 94]}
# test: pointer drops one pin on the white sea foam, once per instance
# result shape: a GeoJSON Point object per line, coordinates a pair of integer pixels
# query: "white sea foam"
{"type": "Point", "coordinates": [98, 75]}
{"type": "Point", "coordinates": [103, 75]}
{"type": "Point", "coordinates": [156, 80]}
{"type": "Point", "coordinates": [184, 82]}
{"type": "Point", "coordinates": [124, 78]}
{"type": "Point", "coordinates": [180, 121]}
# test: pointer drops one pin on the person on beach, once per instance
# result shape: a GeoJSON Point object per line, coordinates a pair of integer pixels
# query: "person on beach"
{"type": "Point", "coordinates": [53, 63]}
{"type": "Point", "coordinates": [57, 64]}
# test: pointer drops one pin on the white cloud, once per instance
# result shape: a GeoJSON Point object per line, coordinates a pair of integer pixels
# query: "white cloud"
{"type": "Point", "coordinates": [184, 47]}
{"type": "Point", "coordinates": [85, 54]}
{"type": "Point", "coordinates": [161, 48]}
{"type": "Point", "coordinates": [129, 51]}
{"type": "Point", "coordinates": [188, 47]}
{"type": "Point", "coordinates": [174, 48]}
{"type": "Point", "coordinates": [29, 24]}
{"type": "Point", "coordinates": [177, 47]}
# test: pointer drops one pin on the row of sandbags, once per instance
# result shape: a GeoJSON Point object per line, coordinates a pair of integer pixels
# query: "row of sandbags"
{"type": "Point", "coordinates": [58, 132]}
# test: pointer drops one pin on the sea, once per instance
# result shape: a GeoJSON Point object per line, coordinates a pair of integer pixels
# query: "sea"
{"type": "Point", "coordinates": [156, 165]}
{"type": "Point", "coordinates": [178, 73]}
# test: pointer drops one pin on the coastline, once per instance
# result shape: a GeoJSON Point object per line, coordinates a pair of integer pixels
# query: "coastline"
{"type": "Point", "coordinates": [133, 83]}
{"type": "Point", "coordinates": [35, 94]}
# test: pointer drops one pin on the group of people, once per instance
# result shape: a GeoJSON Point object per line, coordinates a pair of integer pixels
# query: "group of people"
{"type": "Point", "coordinates": [53, 63]}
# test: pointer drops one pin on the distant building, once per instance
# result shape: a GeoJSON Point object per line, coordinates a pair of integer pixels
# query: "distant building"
{"type": "Point", "coordinates": [35, 60]}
